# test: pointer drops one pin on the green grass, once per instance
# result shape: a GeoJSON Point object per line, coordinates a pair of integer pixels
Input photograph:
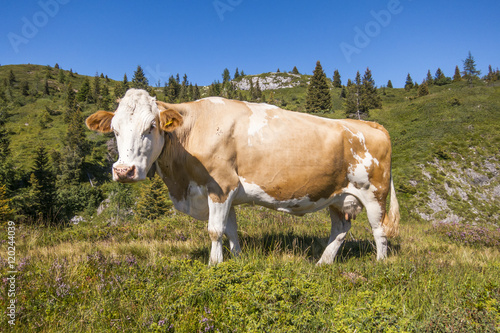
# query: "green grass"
{"type": "Point", "coordinates": [154, 275]}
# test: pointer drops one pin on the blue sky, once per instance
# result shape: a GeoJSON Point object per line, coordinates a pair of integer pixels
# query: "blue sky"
{"type": "Point", "coordinates": [202, 37]}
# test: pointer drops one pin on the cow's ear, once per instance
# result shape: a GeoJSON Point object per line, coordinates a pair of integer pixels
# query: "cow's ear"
{"type": "Point", "coordinates": [100, 121]}
{"type": "Point", "coordinates": [169, 118]}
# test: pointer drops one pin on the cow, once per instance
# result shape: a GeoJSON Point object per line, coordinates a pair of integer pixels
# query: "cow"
{"type": "Point", "coordinates": [216, 153]}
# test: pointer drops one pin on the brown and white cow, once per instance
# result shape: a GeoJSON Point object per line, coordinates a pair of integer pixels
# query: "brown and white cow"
{"type": "Point", "coordinates": [216, 153]}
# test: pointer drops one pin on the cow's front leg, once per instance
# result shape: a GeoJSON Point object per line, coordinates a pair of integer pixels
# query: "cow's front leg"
{"type": "Point", "coordinates": [232, 233]}
{"type": "Point", "coordinates": [217, 225]}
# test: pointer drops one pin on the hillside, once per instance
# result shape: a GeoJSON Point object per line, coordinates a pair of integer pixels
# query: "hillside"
{"type": "Point", "coordinates": [445, 145]}
{"type": "Point", "coordinates": [111, 269]}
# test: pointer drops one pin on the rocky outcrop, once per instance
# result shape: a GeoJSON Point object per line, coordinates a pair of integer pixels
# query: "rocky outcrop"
{"type": "Point", "coordinates": [269, 81]}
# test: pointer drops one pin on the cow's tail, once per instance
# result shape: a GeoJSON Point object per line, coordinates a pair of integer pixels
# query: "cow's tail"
{"type": "Point", "coordinates": [391, 220]}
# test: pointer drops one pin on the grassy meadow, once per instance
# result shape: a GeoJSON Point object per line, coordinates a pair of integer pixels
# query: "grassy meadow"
{"type": "Point", "coordinates": [113, 273]}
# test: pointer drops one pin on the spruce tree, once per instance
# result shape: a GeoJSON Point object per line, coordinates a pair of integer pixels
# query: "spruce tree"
{"type": "Point", "coordinates": [353, 97]}
{"type": "Point", "coordinates": [470, 72]}
{"type": "Point", "coordinates": [423, 89]}
{"type": "Point", "coordinates": [295, 70]}
{"type": "Point", "coordinates": [25, 88]}
{"type": "Point", "coordinates": [106, 101]}
{"type": "Point", "coordinates": [70, 103]}
{"type": "Point", "coordinates": [84, 91]}
{"type": "Point", "coordinates": [196, 93]}
{"type": "Point", "coordinates": [12, 78]}
{"type": "Point", "coordinates": [61, 77]}
{"type": "Point", "coordinates": [46, 88]}
{"type": "Point", "coordinates": [337, 83]}
{"type": "Point", "coordinates": [429, 79]}
{"type": "Point", "coordinates": [439, 78]}
{"type": "Point", "coordinates": [457, 76]}
{"type": "Point", "coordinates": [153, 202]}
{"type": "Point", "coordinates": [43, 186]}
{"type": "Point", "coordinates": [369, 95]}
{"type": "Point", "coordinates": [409, 83]}
{"type": "Point", "coordinates": [318, 96]}
{"type": "Point", "coordinates": [139, 81]}
{"type": "Point", "coordinates": [236, 73]}
{"type": "Point", "coordinates": [226, 77]}
{"type": "Point", "coordinates": [389, 84]}
{"type": "Point", "coordinates": [96, 90]}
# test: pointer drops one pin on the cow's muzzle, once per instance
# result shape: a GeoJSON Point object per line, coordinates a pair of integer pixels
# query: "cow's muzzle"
{"type": "Point", "coordinates": [124, 173]}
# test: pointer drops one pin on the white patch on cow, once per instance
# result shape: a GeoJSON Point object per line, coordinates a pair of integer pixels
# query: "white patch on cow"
{"type": "Point", "coordinates": [358, 173]}
{"type": "Point", "coordinates": [215, 100]}
{"type": "Point", "coordinates": [253, 193]}
{"type": "Point", "coordinates": [196, 202]}
{"type": "Point", "coordinates": [259, 118]}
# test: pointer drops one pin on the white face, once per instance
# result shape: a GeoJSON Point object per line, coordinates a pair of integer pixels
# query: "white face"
{"type": "Point", "coordinates": [138, 135]}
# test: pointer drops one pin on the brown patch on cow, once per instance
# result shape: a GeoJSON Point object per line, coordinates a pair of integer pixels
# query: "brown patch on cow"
{"type": "Point", "coordinates": [100, 121]}
{"type": "Point", "coordinates": [170, 119]}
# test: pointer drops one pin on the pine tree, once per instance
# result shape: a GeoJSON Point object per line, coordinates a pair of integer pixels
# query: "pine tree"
{"type": "Point", "coordinates": [196, 93]}
{"type": "Point", "coordinates": [96, 90]}
{"type": "Point", "coordinates": [84, 91]}
{"type": "Point", "coordinates": [369, 95]}
{"type": "Point", "coordinates": [409, 83]}
{"type": "Point", "coordinates": [106, 101]}
{"type": "Point", "coordinates": [226, 77]}
{"type": "Point", "coordinates": [457, 76]}
{"type": "Point", "coordinates": [439, 78]}
{"type": "Point", "coordinates": [353, 96]}
{"type": "Point", "coordinates": [255, 91]}
{"type": "Point", "coordinates": [337, 83]}
{"type": "Point", "coordinates": [43, 186]}
{"type": "Point", "coordinates": [491, 77]}
{"type": "Point", "coordinates": [389, 84]}
{"type": "Point", "coordinates": [56, 66]}
{"type": "Point", "coordinates": [153, 202]}
{"type": "Point", "coordinates": [295, 70]}
{"type": "Point", "coordinates": [139, 81]}
{"type": "Point", "coordinates": [215, 89]}
{"type": "Point", "coordinates": [46, 89]}
{"type": "Point", "coordinates": [429, 79]}
{"type": "Point", "coordinates": [318, 96]}
{"type": "Point", "coordinates": [470, 72]}
{"type": "Point", "coordinates": [242, 73]}
{"type": "Point", "coordinates": [172, 90]}
{"type": "Point", "coordinates": [12, 78]}
{"type": "Point", "coordinates": [423, 89]}
{"type": "Point", "coordinates": [61, 77]}
{"type": "Point", "coordinates": [25, 88]}
{"type": "Point", "coordinates": [236, 73]}
{"type": "Point", "coordinates": [70, 96]}
{"type": "Point", "coordinates": [73, 152]}
{"type": "Point", "coordinates": [343, 92]}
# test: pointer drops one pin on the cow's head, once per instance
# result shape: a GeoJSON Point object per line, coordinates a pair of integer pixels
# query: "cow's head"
{"type": "Point", "coordinates": [139, 124]}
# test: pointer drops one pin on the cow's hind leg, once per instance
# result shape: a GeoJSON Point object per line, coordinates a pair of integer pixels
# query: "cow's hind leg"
{"type": "Point", "coordinates": [340, 227]}
{"type": "Point", "coordinates": [376, 212]}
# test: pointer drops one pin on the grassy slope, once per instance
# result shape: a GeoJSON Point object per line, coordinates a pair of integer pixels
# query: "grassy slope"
{"type": "Point", "coordinates": [24, 121]}
{"type": "Point", "coordinates": [152, 276]}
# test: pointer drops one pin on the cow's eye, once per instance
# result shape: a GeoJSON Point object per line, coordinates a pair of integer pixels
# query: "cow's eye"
{"type": "Point", "coordinates": [152, 127]}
